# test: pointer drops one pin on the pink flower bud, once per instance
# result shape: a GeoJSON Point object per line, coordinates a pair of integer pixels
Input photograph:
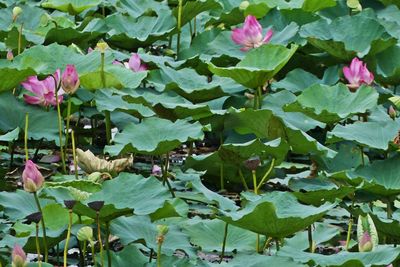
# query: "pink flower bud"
{"type": "Point", "coordinates": [32, 178]}
{"type": "Point", "coordinates": [70, 79]}
{"type": "Point", "coordinates": [357, 74]}
{"type": "Point", "coordinates": [135, 63]}
{"type": "Point", "coordinates": [156, 170]}
{"type": "Point", "coordinates": [18, 257]}
{"type": "Point", "coordinates": [10, 55]}
{"type": "Point", "coordinates": [250, 36]}
{"type": "Point", "coordinates": [392, 112]}
{"type": "Point", "coordinates": [365, 244]}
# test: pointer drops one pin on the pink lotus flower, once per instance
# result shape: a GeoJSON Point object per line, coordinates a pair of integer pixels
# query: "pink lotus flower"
{"type": "Point", "coordinates": [70, 79]}
{"type": "Point", "coordinates": [365, 243]}
{"type": "Point", "coordinates": [250, 36]}
{"type": "Point", "coordinates": [18, 257]}
{"type": "Point", "coordinates": [32, 178]}
{"type": "Point", "coordinates": [357, 74]}
{"type": "Point", "coordinates": [10, 55]}
{"type": "Point", "coordinates": [135, 63]}
{"type": "Point", "coordinates": [44, 91]}
{"type": "Point", "coordinates": [156, 170]}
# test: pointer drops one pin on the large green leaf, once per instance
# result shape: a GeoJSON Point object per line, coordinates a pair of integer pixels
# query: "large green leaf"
{"type": "Point", "coordinates": [372, 134]}
{"type": "Point", "coordinates": [208, 234]}
{"type": "Point", "coordinates": [333, 103]}
{"type": "Point", "coordinates": [155, 136]}
{"type": "Point", "coordinates": [345, 44]}
{"type": "Point", "coordinates": [13, 77]}
{"type": "Point", "coordinates": [42, 123]}
{"type": "Point", "coordinates": [71, 6]}
{"type": "Point", "coordinates": [296, 81]}
{"type": "Point", "coordinates": [258, 66]}
{"type": "Point", "coordinates": [275, 214]}
{"type": "Point", "coordinates": [193, 8]}
{"type": "Point", "coordinates": [382, 255]}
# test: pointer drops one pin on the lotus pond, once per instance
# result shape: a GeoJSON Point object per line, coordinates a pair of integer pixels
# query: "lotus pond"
{"type": "Point", "coordinates": [199, 133]}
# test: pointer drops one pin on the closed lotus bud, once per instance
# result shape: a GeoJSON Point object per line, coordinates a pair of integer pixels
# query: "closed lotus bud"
{"type": "Point", "coordinates": [162, 229]}
{"type": "Point", "coordinates": [32, 178]}
{"type": "Point", "coordinates": [392, 112]}
{"type": "Point", "coordinates": [70, 79]}
{"type": "Point", "coordinates": [243, 5]}
{"type": "Point", "coordinates": [10, 55]}
{"type": "Point", "coordinates": [252, 163]}
{"type": "Point", "coordinates": [96, 205]}
{"type": "Point", "coordinates": [102, 46]}
{"type": "Point", "coordinates": [156, 170]}
{"type": "Point", "coordinates": [85, 234]}
{"type": "Point", "coordinates": [16, 12]}
{"type": "Point", "coordinates": [18, 257]}
{"type": "Point", "coordinates": [366, 234]}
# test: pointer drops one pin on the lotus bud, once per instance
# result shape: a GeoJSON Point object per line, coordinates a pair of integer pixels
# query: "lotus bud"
{"type": "Point", "coordinates": [96, 205]}
{"type": "Point", "coordinates": [16, 12]}
{"type": "Point", "coordinates": [102, 46]}
{"type": "Point", "coordinates": [156, 170]}
{"type": "Point", "coordinates": [252, 163]}
{"type": "Point", "coordinates": [85, 234]}
{"type": "Point", "coordinates": [32, 178]}
{"type": "Point", "coordinates": [34, 217]}
{"type": "Point", "coordinates": [392, 112]}
{"type": "Point", "coordinates": [70, 79]}
{"type": "Point", "coordinates": [243, 5]}
{"type": "Point", "coordinates": [18, 257]}
{"type": "Point", "coordinates": [162, 229]}
{"type": "Point", "coordinates": [10, 55]}
{"type": "Point", "coordinates": [366, 234]}
{"type": "Point", "coordinates": [354, 5]}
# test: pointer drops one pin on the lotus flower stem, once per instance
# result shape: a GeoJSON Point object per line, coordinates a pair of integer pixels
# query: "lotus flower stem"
{"type": "Point", "coordinates": [74, 155]}
{"type": "Point", "coordinates": [93, 253]}
{"type": "Point", "coordinates": [26, 136]}
{"type": "Point", "coordinates": [194, 26]}
{"type": "Point", "coordinates": [46, 251]}
{"type": "Point", "coordinates": [246, 187]}
{"type": "Point", "coordinates": [84, 251]}
{"type": "Point", "coordinates": [259, 91]}
{"type": "Point", "coordinates": [106, 112]}
{"type": "Point", "coordinates": [271, 167]}
{"type": "Point", "coordinates": [68, 237]}
{"type": "Point", "coordinates": [349, 234]}
{"type": "Point", "coordinates": [20, 38]}
{"type": "Point", "coordinates": [362, 155]}
{"type": "Point", "coordinates": [310, 239]}
{"type": "Point", "coordinates": [253, 172]}
{"type": "Point", "coordinates": [109, 262]}
{"type": "Point", "coordinates": [67, 125]}
{"type": "Point", "coordinates": [277, 244]}
{"type": "Point", "coordinates": [258, 243]}
{"type": "Point", "coordinates": [57, 87]}
{"type": "Point", "coordinates": [221, 175]}
{"type": "Point", "coordinates": [178, 40]}
{"type": "Point", "coordinates": [389, 210]}
{"type": "Point", "coordinates": [38, 245]}
{"type": "Point", "coordinates": [99, 238]}
{"type": "Point", "coordinates": [224, 243]}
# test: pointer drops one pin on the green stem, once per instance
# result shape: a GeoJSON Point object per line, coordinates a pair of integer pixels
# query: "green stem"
{"type": "Point", "coordinates": [46, 251]}
{"type": "Point", "coordinates": [74, 155]}
{"type": "Point", "coordinates": [178, 40]}
{"type": "Point", "coordinates": [259, 91]}
{"type": "Point", "coordinates": [159, 245]}
{"type": "Point", "coordinates": [246, 187]}
{"type": "Point", "coordinates": [20, 38]}
{"type": "Point", "coordinates": [194, 26]}
{"type": "Point", "coordinates": [26, 136]}
{"type": "Point", "coordinates": [58, 254]}
{"type": "Point", "coordinates": [224, 243]}
{"type": "Point", "coordinates": [64, 169]}
{"type": "Point", "coordinates": [310, 239]}
{"type": "Point", "coordinates": [271, 167]}
{"type": "Point", "coordinates": [277, 244]}
{"type": "Point", "coordinates": [38, 246]}
{"type": "Point", "coordinates": [68, 237]}
{"type": "Point", "coordinates": [362, 155]}
{"type": "Point", "coordinates": [349, 234]}
{"type": "Point", "coordinates": [258, 243]}
{"type": "Point", "coordinates": [221, 176]}
{"type": "Point", "coordinates": [11, 151]}
{"type": "Point", "coordinates": [67, 125]}
{"type": "Point", "coordinates": [109, 262]}
{"type": "Point", "coordinates": [389, 210]}
{"type": "Point", "coordinates": [93, 253]}
{"type": "Point", "coordinates": [253, 172]}
{"type": "Point", "coordinates": [84, 251]}
{"type": "Point", "coordinates": [107, 116]}
{"type": "Point", "coordinates": [99, 238]}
